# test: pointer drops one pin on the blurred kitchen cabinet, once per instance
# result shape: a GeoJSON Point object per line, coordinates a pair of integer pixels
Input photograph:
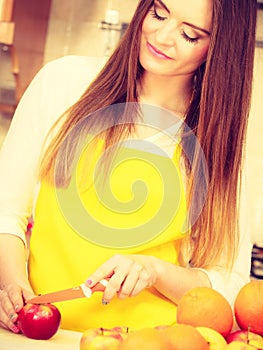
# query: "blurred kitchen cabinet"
{"type": "Point", "coordinates": [31, 19]}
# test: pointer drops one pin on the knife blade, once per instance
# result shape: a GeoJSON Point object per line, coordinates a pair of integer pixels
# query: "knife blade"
{"type": "Point", "coordinates": [81, 291]}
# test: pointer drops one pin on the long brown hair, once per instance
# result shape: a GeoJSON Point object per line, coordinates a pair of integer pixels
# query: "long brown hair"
{"type": "Point", "coordinates": [217, 115]}
{"type": "Point", "coordinates": [222, 105]}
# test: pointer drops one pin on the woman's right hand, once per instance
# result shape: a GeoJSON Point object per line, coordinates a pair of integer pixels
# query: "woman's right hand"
{"type": "Point", "coordinates": [12, 299]}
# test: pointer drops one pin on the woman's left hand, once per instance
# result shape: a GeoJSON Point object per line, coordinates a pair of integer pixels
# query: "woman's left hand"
{"type": "Point", "coordinates": [128, 275]}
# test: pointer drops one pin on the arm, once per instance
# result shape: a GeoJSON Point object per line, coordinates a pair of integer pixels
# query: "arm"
{"type": "Point", "coordinates": [13, 279]}
{"type": "Point", "coordinates": [130, 274]}
{"type": "Point", "coordinates": [173, 281]}
{"type": "Point", "coordinates": [18, 177]}
{"type": "Point", "coordinates": [57, 86]}
{"type": "Point", "coordinates": [19, 160]}
{"type": "Point", "coordinates": [228, 283]}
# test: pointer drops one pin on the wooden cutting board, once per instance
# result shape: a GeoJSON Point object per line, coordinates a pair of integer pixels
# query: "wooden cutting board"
{"type": "Point", "coordinates": [62, 340]}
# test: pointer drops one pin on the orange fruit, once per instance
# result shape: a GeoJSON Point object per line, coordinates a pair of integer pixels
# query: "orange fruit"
{"type": "Point", "coordinates": [184, 337]}
{"type": "Point", "coordinates": [204, 306]}
{"type": "Point", "coordinates": [248, 307]}
{"type": "Point", "coordinates": [145, 339]}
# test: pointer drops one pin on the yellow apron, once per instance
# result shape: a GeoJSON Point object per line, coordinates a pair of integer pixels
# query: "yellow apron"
{"type": "Point", "coordinates": [140, 210]}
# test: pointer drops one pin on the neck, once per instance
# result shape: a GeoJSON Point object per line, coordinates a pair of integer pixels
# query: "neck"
{"type": "Point", "coordinates": [173, 93]}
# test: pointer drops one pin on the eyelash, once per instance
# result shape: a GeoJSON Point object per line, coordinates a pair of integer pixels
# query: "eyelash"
{"type": "Point", "coordinates": [184, 35]}
{"type": "Point", "coordinates": [187, 38]}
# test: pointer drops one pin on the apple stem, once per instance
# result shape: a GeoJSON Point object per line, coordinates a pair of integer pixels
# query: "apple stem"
{"type": "Point", "coordinates": [248, 330]}
{"type": "Point", "coordinates": [102, 330]}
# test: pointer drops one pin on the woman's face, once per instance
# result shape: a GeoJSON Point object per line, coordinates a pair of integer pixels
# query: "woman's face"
{"type": "Point", "coordinates": [175, 36]}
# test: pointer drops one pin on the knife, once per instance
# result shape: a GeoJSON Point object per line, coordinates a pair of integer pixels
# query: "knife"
{"type": "Point", "coordinates": [81, 291]}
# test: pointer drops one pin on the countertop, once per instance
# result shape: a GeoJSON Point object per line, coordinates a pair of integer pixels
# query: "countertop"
{"type": "Point", "coordinates": [62, 340]}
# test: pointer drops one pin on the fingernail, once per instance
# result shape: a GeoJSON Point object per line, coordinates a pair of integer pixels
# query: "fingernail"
{"type": "Point", "coordinates": [12, 316]}
{"type": "Point", "coordinates": [17, 307]}
{"type": "Point", "coordinates": [15, 329]}
{"type": "Point", "coordinates": [89, 282]}
{"type": "Point", "coordinates": [105, 302]}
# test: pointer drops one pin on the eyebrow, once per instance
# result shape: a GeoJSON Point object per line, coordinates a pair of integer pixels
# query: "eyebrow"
{"type": "Point", "coordinates": [162, 4]}
{"type": "Point", "coordinates": [197, 28]}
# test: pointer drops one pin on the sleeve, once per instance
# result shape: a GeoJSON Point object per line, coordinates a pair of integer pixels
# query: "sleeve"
{"type": "Point", "coordinates": [19, 160]}
{"type": "Point", "coordinates": [228, 283]}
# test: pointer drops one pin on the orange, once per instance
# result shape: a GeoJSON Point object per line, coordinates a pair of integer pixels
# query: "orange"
{"type": "Point", "coordinates": [204, 306]}
{"type": "Point", "coordinates": [145, 339]}
{"type": "Point", "coordinates": [184, 337]}
{"type": "Point", "coordinates": [249, 307]}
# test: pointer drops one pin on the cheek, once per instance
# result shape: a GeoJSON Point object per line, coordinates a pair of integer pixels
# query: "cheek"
{"type": "Point", "coordinates": [199, 54]}
{"type": "Point", "coordinates": [203, 53]}
{"type": "Point", "coordinates": [148, 25]}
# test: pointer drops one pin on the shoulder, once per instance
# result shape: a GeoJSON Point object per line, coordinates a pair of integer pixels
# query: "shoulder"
{"type": "Point", "coordinates": [65, 79]}
{"type": "Point", "coordinates": [73, 69]}
{"type": "Point", "coordinates": [57, 86]}
{"type": "Point", "coordinates": [72, 63]}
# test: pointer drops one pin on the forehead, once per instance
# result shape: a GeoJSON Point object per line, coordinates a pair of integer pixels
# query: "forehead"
{"type": "Point", "coordinates": [198, 12]}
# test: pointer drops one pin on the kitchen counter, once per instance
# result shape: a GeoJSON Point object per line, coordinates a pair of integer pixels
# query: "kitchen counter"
{"type": "Point", "coordinates": [62, 340]}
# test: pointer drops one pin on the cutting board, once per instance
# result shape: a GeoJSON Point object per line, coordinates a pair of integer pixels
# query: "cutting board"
{"type": "Point", "coordinates": [62, 340]}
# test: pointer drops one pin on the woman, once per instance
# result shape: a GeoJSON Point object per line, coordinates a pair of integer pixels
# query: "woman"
{"type": "Point", "coordinates": [180, 62]}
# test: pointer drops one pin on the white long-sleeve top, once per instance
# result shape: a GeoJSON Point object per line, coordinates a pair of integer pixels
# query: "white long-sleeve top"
{"type": "Point", "coordinates": [55, 88]}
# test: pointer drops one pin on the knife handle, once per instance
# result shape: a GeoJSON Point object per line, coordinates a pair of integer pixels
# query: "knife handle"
{"type": "Point", "coordinates": [100, 286]}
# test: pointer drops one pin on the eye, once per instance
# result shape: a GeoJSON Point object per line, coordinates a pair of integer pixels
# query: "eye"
{"type": "Point", "coordinates": [188, 38]}
{"type": "Point", "coordinates": [158, 13]}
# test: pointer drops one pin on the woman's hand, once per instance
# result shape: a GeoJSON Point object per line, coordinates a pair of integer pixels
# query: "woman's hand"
{"type": "Point", "coordinates": [11, 302]}
{"type": "Point", "coordinates": [128, 275]}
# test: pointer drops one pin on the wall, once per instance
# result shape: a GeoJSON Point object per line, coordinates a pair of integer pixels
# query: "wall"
{"type": "Point", "coordinates": [75, 27]}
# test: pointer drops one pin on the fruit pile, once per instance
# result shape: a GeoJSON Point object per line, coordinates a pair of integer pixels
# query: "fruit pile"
{"type": "Point", "coordinates": [205, 321]}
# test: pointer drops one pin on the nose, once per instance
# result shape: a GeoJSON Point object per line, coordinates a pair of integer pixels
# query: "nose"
{"type": "Point", "coordinates": [166, 33]}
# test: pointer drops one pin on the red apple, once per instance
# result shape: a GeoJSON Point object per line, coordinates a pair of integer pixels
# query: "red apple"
{"type": "Point", "coordinates": [239, 345]}
{"type": "Point", "coordinates": [246, 337]}
{"type": "Point", "coordinates": [39, 321]}
{"type": "Point", "coordinates": [215, 339]}
{"type": "Point", "coordinates": [103, 338]}
{"type": "Point", "coordinates": [119, 329]}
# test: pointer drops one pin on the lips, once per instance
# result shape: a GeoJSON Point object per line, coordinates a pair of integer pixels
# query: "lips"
{"type": "Point", "coordinates": [157, 53]}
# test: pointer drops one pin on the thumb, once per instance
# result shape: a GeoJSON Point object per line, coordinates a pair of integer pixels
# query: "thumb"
{"type": "Point", "coordinates": [28, 293]}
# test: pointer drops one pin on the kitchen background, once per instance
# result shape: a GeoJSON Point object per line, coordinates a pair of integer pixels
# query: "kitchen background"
{"type": "Point", "coordinates": [50, 29]}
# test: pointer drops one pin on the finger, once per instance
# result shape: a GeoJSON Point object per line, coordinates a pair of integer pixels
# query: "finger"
{"type": "Point", "coordinates": [144, 281]}
{"type": "Point", "coordinates": [7, 313]}
{"type": "Point", "coordinates": [3, 325]}
{"type": "Point", "coordinates": [7, 306]}
{"type": "Point", "coordinates": [114, 285]}
{"type": "Point", "coordinates": [106, 270]}
{"type": "Point", "coordinates": [130, 282]}
{"type": "Point", "coordinates": [16, 298]}
{"type": "Point", "coordinates": [28, 294]}
{"type": "Point", "coordinates": [124, 267]}
{"type": "Point", "coordinates": [10, 326]}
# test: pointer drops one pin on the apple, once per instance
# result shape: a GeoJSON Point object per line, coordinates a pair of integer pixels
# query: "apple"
{"type": "Point", "coordinates": [239, 345]}
{"type": "Point", "coordinates": [119, 329]}
{"type": "Point", "coordinates": [215, 340]}
{"type": "Point", "coordinates": [103, 338]}
{"type": "Point", "coordinates": [161, 327]}
{"type": "Point", "coordinates": [39, 321]}
{"type": "Point", "coordinates": [246, 337]}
